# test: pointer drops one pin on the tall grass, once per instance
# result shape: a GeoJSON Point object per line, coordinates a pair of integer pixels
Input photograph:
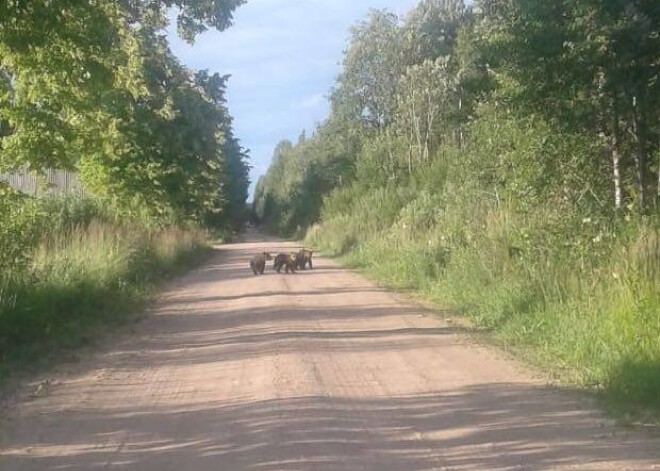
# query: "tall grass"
{"type": "Point", "coordinates": [595, 324]}
{"type": "Point", "coordinates": [85, 273]}
{"type": "Point", "coordinates": [575, 290]}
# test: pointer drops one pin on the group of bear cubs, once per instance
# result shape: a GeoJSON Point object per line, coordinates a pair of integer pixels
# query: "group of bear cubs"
{"type": "Point", "coordinates": [289, 261]}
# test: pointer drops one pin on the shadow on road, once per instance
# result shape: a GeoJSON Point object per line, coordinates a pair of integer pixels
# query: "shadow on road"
{"type": "Point", "coordinates": [461, 430]}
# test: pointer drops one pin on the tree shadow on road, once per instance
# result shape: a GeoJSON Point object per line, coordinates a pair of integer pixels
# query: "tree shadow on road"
{"type": "Point", "coordinates": [489, 427]}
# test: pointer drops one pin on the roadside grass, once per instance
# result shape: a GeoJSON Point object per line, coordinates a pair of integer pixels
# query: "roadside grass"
{"type": "Point", "coordinates": [588, 322]}
{"type": "Point", "coordinates": [82, 278]}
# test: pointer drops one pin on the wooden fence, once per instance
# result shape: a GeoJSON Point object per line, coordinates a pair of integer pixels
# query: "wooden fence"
{"type": "Point", "coordinates": [51, 183]}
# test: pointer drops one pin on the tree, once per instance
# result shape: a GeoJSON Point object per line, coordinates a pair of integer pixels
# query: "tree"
{"type": "Point", "coordinates": [93, 86]}
{"type": "Point", "coordinates": [586, 65]}
{"type": "Point", "coordinates": [431, 29]}
{"type": "Point", "coordinates": [427, 94]}
{"type": "Point", "coordinates": [366, 88]}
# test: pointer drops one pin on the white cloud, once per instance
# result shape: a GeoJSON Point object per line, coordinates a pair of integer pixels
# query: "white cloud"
{"type": "Point", "coordinates": [314, 101]}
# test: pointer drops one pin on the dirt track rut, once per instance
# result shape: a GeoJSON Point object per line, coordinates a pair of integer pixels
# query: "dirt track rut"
{"type": "Point", "coordinates": [316, 371]}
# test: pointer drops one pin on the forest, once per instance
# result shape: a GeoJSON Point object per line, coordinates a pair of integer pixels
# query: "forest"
{"type": "Point", "coordinates": [500, 158]}
{"type": "Point", "coordinates": [93, 88]}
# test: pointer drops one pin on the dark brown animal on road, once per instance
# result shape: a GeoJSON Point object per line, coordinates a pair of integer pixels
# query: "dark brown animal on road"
{"type": "Point", "coordinates": [304, 258]}
{"type": "Point", "coordinates": [286, 260]}
{"type": "Point", "coordinates": [258, 262]}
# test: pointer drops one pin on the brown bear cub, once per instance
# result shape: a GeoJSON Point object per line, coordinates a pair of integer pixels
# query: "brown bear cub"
{"type": "Point", "coordinates": [304, 258]}
{"type": "Point", "coordinates": [286, 260]}
{"type": "Point", "coordinates": [258, 262]}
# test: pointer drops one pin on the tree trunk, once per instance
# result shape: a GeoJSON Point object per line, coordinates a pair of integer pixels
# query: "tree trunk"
{"type": "Point", "coordinates": [616, 161]}
{"type": "Point", "coordinates": [609, 126]}
{"type": "Point", "coordinates": [390, 150]}
{"type": "Point", "coordinates": [616, 175]}
{"type": "Point", "coordinates": [657, 195]}
{"type": "Point", "coordinates": [411, 137]}
{"type": "Point", "coordinates": [430, 117]}
{"type": "Point", "coordinates": [418, 132]}
{"type": "Point", "coordinates": [639, 156]}
{"type": "Point", "coordinates": [459, 137]}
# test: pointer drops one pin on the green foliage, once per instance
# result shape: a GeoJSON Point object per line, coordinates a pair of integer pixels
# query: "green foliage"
{"type": "Point", "coordinates": [579, 293]}
{"type": "Point", "coordinates": [366, 89]}
{"type": "Point", "coordinates": [83, 273]}
{"type": "Point", "coordinates": [93, 86]}
{"type": "Point", "coordinates": [504, 161]}
{"type": "Point", "coordinates": [22, 226]}
{"type": "Point", "coordinates": [290, 195]}
{"type": "Point", "coordinates": [585, 65]}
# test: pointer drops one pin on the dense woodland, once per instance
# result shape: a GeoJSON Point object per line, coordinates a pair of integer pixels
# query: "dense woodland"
{"type": "Point", "coordinates": [502, 158]}
{"type": "Point", "coordinates": [92, 87]}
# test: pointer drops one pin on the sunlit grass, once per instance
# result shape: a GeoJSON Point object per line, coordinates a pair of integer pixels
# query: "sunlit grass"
{"type": "Point", "coordinates": [85, 279]}
{"type": "Point", "coordinates": [592, 321]}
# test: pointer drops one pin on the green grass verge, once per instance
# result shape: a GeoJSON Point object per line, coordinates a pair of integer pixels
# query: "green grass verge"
{"type": "Point", "coordinates": [82, 281]}
{"type": "Point", "coordinates": [591, 324]}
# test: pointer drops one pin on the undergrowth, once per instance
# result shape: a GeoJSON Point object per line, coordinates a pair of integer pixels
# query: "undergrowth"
{"type": "Point", "coordinates": [70, 270]}
{"type": "Point", "coordinates": [574, 288]}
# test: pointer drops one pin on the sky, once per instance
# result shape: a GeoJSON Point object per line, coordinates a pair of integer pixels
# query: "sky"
{"type": "Point", "coordinates": [283, 57]}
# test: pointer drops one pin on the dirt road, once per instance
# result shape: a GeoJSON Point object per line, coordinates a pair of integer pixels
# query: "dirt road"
{"type": "Point", "coordinates": [316, 371]}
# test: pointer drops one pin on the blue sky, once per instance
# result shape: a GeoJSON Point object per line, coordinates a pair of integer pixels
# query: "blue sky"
{"type": "Point", "coordinates": [283, 57]}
